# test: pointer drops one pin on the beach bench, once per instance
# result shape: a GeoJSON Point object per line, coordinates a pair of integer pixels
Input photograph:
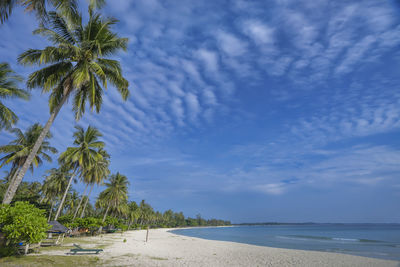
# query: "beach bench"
{"type": "Point", "coordinates": [80, 249]}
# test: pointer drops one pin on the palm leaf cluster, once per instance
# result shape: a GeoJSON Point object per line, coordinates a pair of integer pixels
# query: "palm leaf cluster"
{"type": "Point", "coordinates": [77, 63]}
{"type": "Point", "coordinates": [18, 150]}
{"type": "Point", "coordinates": [115, 196]}
{"type": "Point", "coordinates": [68, 8]}
{"type": "Point", "coordinates": [9, 89]}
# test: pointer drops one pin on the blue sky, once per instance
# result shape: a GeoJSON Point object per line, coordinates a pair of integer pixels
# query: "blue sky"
{"type": "Point", "coordinates": [247, 110]}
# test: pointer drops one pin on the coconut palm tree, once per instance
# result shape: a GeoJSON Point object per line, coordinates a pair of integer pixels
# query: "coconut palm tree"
{"type": "Point", "coordinates": [115, 194]}
{"type": "Point", "coordinates": [18, 150]}
{"type": "Point", "coordinates": [9, 89]}
{"type": "Point", "coordinates": [54, 185]}
{"type": "Point", "coordinates": [96, 174]}
{"type": "Point", "coordinates": [78, 67]}
{"type": "Point", "coordinates": [71, 201]}
{"type": "Point", "coordinates": [133, 213]}
{"type": "Point", "coordinates": [66, 7]}
{"type": "Point", "coordinates": [82, 156]}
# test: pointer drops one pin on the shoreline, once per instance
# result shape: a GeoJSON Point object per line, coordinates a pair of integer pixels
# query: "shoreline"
{"type": "Point", "coordinates": [168, 249]}
{"type": "Point", "coordinates": [171, 230]}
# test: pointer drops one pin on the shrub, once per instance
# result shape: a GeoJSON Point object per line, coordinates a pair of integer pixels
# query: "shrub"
{"type": "Point", "coordinates": [65, 219]}
{"type": "Point", "coordinates": [23, 222]}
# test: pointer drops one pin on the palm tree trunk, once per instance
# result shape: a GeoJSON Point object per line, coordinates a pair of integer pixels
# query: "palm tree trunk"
{"type": "Point", "coordinates": [11, 181]}
{"type": "Point", "coordinates": [87, 199]}
{"type": "Point", "coordinates": [12, 188]}
{"type": "Point", "coordinates": [64, 196]}
{"type": "Point", "coordinates": [104, 218]}
{"type": "Point", "coordinates": [80, 202]}
{"type": "Point", "coordinates": [51, 209]}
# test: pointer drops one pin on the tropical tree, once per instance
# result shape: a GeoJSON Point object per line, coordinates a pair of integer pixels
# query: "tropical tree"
{"type": "Point", "coordinates": [115, 194]}
{"type": "Point", "coordinates": [146, 212]}
{"type": "Point", "coordinates": [96, 174]}
{"type": "Point", "coordinates": [17, 151]}
{"type": "Point", "coordinates": [54, 185]}
{"type": "Point", "coordinates": [66, 7]}
{"type": "Point", "coordinates": [82, 156]}
{"type": "Point", "coordinates": [9, 89]}
{"type": "Point", "coordinates": [133, 213]}
{"type": "Point", "coordinates": [71, 201]}
{"type": "Point", "coordinates": [78, 67]}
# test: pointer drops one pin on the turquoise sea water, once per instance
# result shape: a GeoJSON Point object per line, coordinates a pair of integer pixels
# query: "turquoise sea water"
{"type": "Point", "coordinates": [370, 240]}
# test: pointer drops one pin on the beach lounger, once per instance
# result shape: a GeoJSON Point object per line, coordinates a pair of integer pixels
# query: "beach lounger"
{"type": "Point", "coordinates": [80, 249]}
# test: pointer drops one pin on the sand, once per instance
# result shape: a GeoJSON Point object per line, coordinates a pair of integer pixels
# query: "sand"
{"type": "Point", "coordinates": [168, 249]}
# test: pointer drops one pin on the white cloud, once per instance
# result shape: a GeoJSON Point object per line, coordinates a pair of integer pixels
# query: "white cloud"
{"type": "Point", "coordinates": [192, 105]}
{"type": "Point", "coordinates": [271, 189]}
{"type": "Point", "coordinates": [210, 60]}
{"type": "Point", "coordinates": [261, 33]}
{"type": "Point", "coordinates": [230, 44]}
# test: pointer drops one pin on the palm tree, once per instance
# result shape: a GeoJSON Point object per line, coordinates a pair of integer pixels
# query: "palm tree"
{"type": "Point", "coordinates": [96, 174]}
{"type": "Point", "coordinates": [9, 89]}
{"type": "Point", "coordinates": [54, 185]}
{"type": "Point", "coordinates": [115, 194]}
{"type": "Point", "coordinates": [78, 65]}
{"type": "Point", "coordinates": [18, 150]}
{"type": "Point", "coordinates": [133, 213]}
{"type": "Point", "coordinates": [81, 157]}
{"type": "Point", "coordinates": [71, 201]}
{"type": "Point", "coordinates": [146, 212]}
{"type": "Point", "coordinates": [66, 7]}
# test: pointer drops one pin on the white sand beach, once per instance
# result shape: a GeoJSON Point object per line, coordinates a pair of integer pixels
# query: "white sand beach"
{"type": "Point", "coordinates": [168, 249]}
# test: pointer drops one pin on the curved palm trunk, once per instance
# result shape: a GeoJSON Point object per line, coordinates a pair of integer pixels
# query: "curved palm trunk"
{"type": "Point", "coordinates": [64, 196]}
{"type": "Point", "coordinates": [104, 218]}
{"type": "Point", "coordinates": [87, 199]}
{"type": "Point", "coordinates": [11, 181]}
{"type": "Point", "coordinates": [80, 202]}
{"type": "Point", "coordinates": [12, 188]}
{"type": "Point", "coordinates": [51, 209]}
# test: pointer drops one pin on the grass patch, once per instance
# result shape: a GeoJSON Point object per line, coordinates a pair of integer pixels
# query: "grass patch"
{"type": "Point", "coordinates": [130, 255]}
{"type": "Point", "coordinates": [158, 258]}
{"type": "Point", "coordinates": [78, 240]}
{"type": "Point", "coordinates": [54, 248]}
{"type": "Point", "coordinates": [49, 260]}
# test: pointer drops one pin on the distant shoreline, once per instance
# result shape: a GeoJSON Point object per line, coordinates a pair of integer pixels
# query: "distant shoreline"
{"type": "Point", "coordinates": [308, 223]}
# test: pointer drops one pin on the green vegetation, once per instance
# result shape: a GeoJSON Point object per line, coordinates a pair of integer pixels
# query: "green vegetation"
{"type": "Point", "coordinates": [22, 222]}
{"type": "Point", "coordinates": [9, 89]}
{"type": "Point", "coordinates": [50, 260]}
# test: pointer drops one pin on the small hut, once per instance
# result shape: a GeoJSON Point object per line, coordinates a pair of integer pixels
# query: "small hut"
{"type": "Point", "coordinates": [57, 229]}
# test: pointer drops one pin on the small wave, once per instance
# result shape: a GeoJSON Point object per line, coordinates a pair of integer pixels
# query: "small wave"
{"type": "Point", "coordinates": [346, 239]}
{"type": "Point", "coordinates": [325, 238]}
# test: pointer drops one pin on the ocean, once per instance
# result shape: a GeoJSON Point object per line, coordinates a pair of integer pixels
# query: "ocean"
{"type": "Point", "coordinates": [369, 240]}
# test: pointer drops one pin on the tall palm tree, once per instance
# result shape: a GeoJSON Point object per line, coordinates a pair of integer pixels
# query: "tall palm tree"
{"type": "Point", "coordinates": [78, 66]}
{"type": "Point", "coordinates": [66, 7]}
{"type": "Point", "coordinates": [17, 151]}
{"type": "Point", "coordinates": [71, 201]}
{"type": "Point", "coordinates": [9, 89]}
{"type": "Point", "coordinates": [133, 213]}
{"type": "Point", "coordinates": [82, 156]}
{"type": "Point", "coordinates": [115, 194]}
{"type": "Point", "coordinates": [54, 185]}
{"type": "Point", "coordinates": [96, 174]}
